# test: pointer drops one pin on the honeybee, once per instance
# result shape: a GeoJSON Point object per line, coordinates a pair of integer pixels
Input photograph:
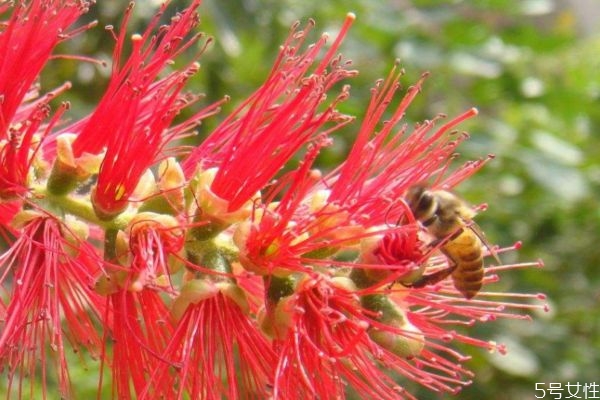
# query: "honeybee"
{"type": "Point", "coordinates": [450, 221]}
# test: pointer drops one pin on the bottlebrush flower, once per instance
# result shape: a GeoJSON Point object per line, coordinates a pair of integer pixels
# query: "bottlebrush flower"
{"type": "Point", "coordinates": [139, 326]}
{"type": "Point", "coordinates": [272, 125]}
{"type": "Point", "coordinates": [217, 348]}
{"type": "Point", "coordinates": [137, 318]}
{"type": "Point", "coordinates": [210, 272]}
{"type": "Point", "coordinates": [27, 40]}
{"type": "Point", "coordinates": [132, 120]}
{"type": "Point", "coordinates": [50, 303]}
{"type": "Point", "coordinates": [360, 208]}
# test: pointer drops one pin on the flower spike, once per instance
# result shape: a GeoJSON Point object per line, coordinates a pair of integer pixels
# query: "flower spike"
{"type": "Point", "coordinates": [233, 268]}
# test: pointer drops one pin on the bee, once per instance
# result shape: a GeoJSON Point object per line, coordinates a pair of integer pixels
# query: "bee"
{"type": "Point", "coordinates": [450, 221]}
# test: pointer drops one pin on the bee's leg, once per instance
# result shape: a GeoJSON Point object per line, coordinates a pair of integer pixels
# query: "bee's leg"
{"type": "Point", "coordinates": [432, 279]}
{"type": "Point", "coordinates": [437, 276]}
{"type": "Point", "coordinates": [442, 274]}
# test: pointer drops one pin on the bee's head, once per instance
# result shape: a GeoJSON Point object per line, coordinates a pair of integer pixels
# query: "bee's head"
{"type": "Point", "coordinates": [421, 202]}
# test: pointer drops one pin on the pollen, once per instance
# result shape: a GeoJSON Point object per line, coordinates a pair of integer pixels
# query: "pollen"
{"type": "Point", "coordinates": [120, 192]}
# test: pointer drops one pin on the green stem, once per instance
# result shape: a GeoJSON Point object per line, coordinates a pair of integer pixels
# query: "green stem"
{"type": "Point", "coordinates": [208, 255]}
{"type": "Point", "coordinates": [80, 208]}
{"type": "Point", "coordinates": [110, 244]}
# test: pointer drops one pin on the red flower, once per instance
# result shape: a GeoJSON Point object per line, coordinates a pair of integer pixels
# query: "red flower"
{"type": "Point", "coordinates": [331, 342]}
{"type": "Point", "coordinates": [50, 306]}
{"type": "Point", "coordinates": [138, 318]}
{"type": "Point", "coordinates": [7, 211]}
{"type": "Point", "coordinates": [154, 244]}
{"type": "Point", "coordinates": [275, 122]}
{"type": "Point", "coordinates": [27, 40]}
{"type": "Point", "coordinates": [132, 119]}
{"type": "Point", "coordinates": [140, 328]}
{"type": "Point", "coordinates": [216, 348]}
{"type": "Point", "coordinates": [26, 44]}
{"type": "Point", "coordinates": [405, 329]}
{"type": "Point", "coordinates": [384, 162]}
{"type": "Point", "coordinates": [324, 345]}
{"type": "Point", "coordinates": [209, 273]}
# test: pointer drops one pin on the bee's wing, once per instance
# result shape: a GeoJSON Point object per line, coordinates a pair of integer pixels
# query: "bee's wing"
{"type": "Point", "coordinates": [479, 233]}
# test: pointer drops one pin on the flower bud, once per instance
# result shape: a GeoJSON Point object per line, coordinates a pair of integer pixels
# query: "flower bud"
{"type": "Point", "coordinates": [69, 171]}
{"type": "Point", "coordinates": [344, 283]}
{"type": "Point", "coordinates": [276, 322]}
{"type": "Point", "coordinates": [155, 244]}
{"type": "Point", "coordinates": [74, 231]}
{"type": "Point", "coordinates": [167, 194]}
{"type": "Point", "coordinates": [146, 186]}
{"type": "Point", "coordinates": [23, 217]}
{"type": "Point", "coordinates": [171, 181]}
{"type": "Point", "coordinates": [235, 293]}
{"type": "Point", "coordinates": [192, 292]}
{"type": "Point", "coordinates": [212, 212]}
{"type": "Point", "coordinates": [122, 254]}
{"type": "Point", "coordinates": [408, 342]}
{"type": "Point", "coordinates": [110, 283]}
{"type": "Point", "coordinates": [395, 333]}
{"type": "Point", "coordinates": [196, 290]}
{"type": "Point", "coordinates": [332, 222]}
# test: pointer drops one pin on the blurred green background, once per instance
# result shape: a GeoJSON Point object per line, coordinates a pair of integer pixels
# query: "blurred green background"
{"type": "Point", "coordinates": [532, 69]}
